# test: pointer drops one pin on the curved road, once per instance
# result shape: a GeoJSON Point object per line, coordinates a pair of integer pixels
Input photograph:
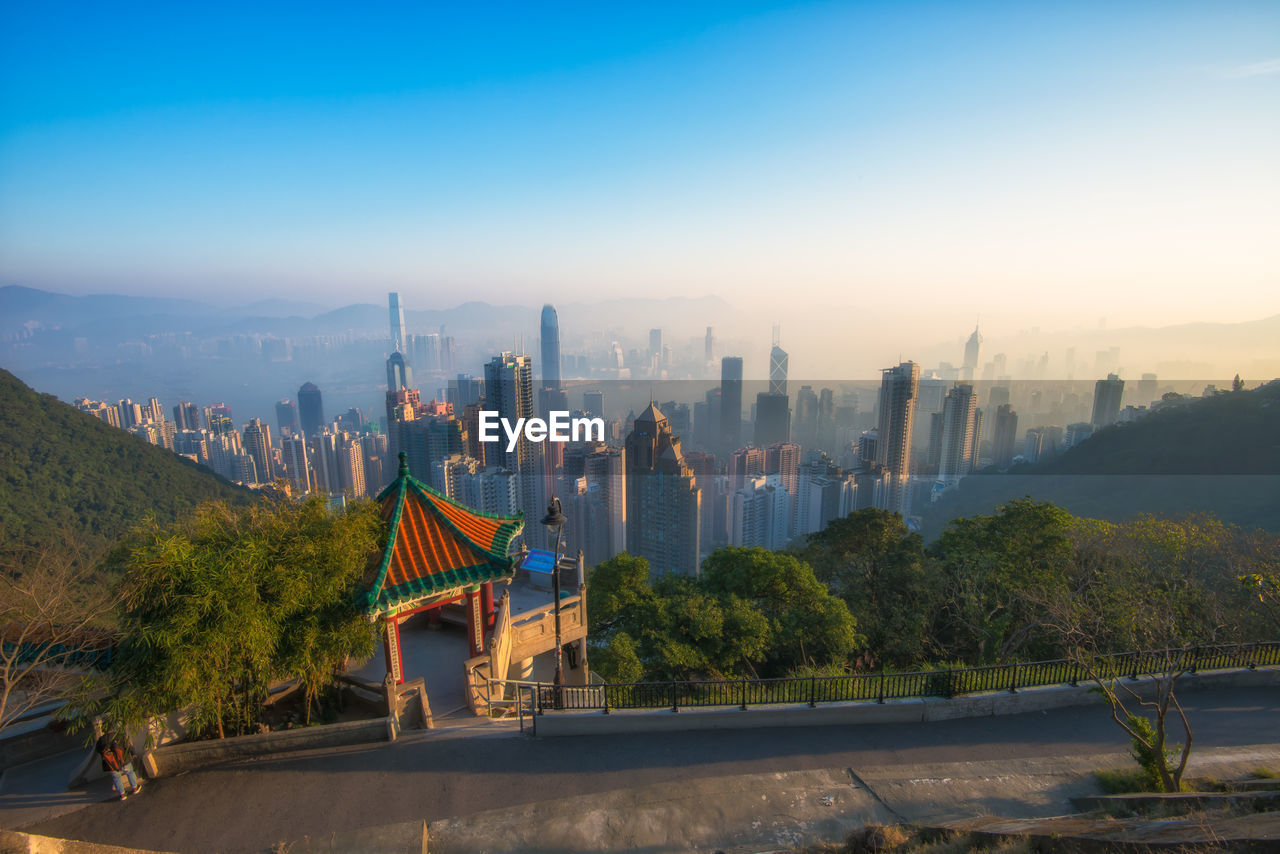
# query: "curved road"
{"type": "Point", "coordinates": [253, 804]}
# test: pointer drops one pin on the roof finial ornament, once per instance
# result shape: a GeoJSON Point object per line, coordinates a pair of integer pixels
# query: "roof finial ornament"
{"type": "Point", "coordinates": [404, 464]}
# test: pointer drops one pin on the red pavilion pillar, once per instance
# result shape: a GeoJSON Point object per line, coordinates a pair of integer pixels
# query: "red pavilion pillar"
{"type": "Point", "coordinates": [486, 605]}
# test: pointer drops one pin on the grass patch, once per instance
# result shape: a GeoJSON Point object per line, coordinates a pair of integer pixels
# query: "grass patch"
{"type": "Point", "coordinates": [1118, 781]}
{"type": "Point", "coordinates": [1262, 772]}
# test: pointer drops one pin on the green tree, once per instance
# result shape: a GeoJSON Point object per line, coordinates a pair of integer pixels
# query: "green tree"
{"type": "Point", "coordinates": [807, 624]}
{"type": "Point", "coordinates": [751, 613]}
{"type": "Point", "coordinates": [222, 603]}
{"type": "Point", "coordinates": [984, 566]}
{"type": "Point", "coordinates": [878, 567]}
{"type": "Point", "coordinates": [1153, 585]}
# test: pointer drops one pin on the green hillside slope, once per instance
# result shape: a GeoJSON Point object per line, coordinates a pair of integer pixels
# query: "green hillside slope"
{"type": "Point", "coordinates": [1219, 455]}
{"type": "Point", "coordinates": [63, 472]}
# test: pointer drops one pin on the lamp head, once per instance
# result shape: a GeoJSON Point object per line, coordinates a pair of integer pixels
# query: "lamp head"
{"type": "Point", "coordinates": [554, 518]}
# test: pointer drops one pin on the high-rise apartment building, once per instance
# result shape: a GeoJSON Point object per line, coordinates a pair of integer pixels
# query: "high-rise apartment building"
{"type": "Point", "coordinates": [898, 389]}
{"type": "Point", "coordinates": [959, 434]}
{"type": "Point", "coordinates": [760, 514]}
{"type": "Point", "coordinates": [257, 444]}
{"type": "Point", "coordinates": [663, 522]}
{"type": "Point", "coordinates": [1106, 401]}
{"type": "Point", "coordinates": [310, 409]}
{"type": "Point", "coordinates": [508, 390]}
{"type": "Point", "coordinates": [296, 465]}
{"type": "Point", "coordinates": [745, 464]}
{"type": "Point", "coordinates": [186, 416]}
{"type": "Point", "coordinates": [1006, 436]}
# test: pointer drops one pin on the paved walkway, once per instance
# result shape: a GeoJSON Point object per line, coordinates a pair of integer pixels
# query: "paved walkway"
{"type": "Point", "coordinates": [465, 770]}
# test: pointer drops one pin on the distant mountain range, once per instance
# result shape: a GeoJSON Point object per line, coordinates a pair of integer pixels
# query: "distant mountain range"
{"type": "Point", "coordinates": [1219, 455]}
{"type": "Point", "coordinates": [68, 474]}
{"type": "Point", "coordinates": [139, 316]}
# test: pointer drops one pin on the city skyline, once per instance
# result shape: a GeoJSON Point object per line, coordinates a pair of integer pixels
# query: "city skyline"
{"type": "Point", "coordinates": [1023, 165]}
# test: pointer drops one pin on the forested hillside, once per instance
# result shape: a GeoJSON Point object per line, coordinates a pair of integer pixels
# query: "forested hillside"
{"type": "Point", "coordinates": [1218, 455]}
{"type": "Point", "coordinates": [65, 474]}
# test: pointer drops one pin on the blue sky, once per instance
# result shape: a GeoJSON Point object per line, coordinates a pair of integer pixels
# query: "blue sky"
{"type": "Point", "coordinates": [991, 156]}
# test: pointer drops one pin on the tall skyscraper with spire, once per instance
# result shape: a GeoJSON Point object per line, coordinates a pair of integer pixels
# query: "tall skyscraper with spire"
{"type": "Point", "coordinates": [397, 323]}
{"type": "Point", "coordinates": [550, 347]}
{"type": "Point", "coordinates": [777, 366]}
{"type": "Point", "coordinates": [972, 354]}
{"type": "Point", "coordinates": [899, 388]}
{"type": "Point", "coordinates": [663, 499]}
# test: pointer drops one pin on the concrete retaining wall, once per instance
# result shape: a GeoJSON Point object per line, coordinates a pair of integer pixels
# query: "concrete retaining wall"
{"type": "Point", "coordinates": [37, 744]}
{"type": "Point", "coordinates": [891, 711]}
{"type": "Point", "coordinates": [175, 758]}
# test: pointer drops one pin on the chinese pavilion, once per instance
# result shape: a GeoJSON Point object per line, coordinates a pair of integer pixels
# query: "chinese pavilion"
{"type": "Point", "coordinates": [437, 552]}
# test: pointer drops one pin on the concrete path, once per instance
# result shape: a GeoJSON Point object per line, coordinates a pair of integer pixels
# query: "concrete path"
{"type": "Point", "coordinates": [785, 810]}
{"type": "Point", "coordinates": [38, 790]}
{"type": "Point", "coordinates": [460, 771]}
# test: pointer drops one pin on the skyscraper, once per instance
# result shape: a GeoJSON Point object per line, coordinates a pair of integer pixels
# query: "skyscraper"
{"type": "Point", "coordinates": [731, 402]}
{"type": "Point", "coordinates": [777, 366]}
{"type": "Point", "coordinates": [186, 416]}
{"type": "Point", "coordinates": [898, 389]}
{"type": "Point", "coordinates": [708, 345]}
{"type": "Point", "coordinates": [296, 465]}
{"type": "Point", "coordinates": [257, 444]}
{"type": "Point", "coordinates": [398, 342]}
{"type": "Point", "coordinates": [398, 373]}
{"type": "Point", "coordinates": [550, 347]}
{"type": "Point", "coordinates": [287, 418]}
{"type": "Point", "coordinates": [655, 350]}
{"type": "Point", "coordinates": [663, 500]}
{"type": "Point", "coordinates": [959, 441]}
{"type": "Point", "coordinates": [508, 390]}
{"type": "Point", "coordinates": [310, 409]}
{"type": "Point", "coordinates": [773, 418]}
{"type": "Point", "coordinates": [1005, 436]}
{"type": "Point", "coordinates": [972, 354]}
{"type": "Point", "coordinates": [1106, 401]}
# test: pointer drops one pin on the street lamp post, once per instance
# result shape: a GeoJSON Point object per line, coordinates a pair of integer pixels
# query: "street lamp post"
{"type": "Point", "coordinates": [554, 520]}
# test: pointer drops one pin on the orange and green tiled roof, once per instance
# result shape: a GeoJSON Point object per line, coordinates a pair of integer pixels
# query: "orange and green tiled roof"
{"type": "Point", "coordinates": [435, 546]}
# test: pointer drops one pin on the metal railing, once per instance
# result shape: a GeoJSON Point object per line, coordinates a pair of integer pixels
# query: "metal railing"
{"type": "Point", "coordinates": [536, 698]}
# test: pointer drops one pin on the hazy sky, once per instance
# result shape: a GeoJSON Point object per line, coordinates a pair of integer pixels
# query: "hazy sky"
{"type": "Point", "coordinates": [1045, 164]}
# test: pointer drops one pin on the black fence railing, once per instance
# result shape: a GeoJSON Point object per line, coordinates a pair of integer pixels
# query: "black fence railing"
{"type": "Point", "coordinates": [878, 687]}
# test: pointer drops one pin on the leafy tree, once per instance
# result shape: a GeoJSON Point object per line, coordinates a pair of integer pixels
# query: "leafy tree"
{"type": "Point", "coordinates": [878, 567]}
{"type": "Point", "coordinates": [807, 624]}
{"type": "Point", "coordinates": [1149, 585]}
{"type": "Point", "coordinates": [985, 564]}
{"type": "Point", "coordinates": [220, 604]}
{"type": "Point", "coordinates": [752, 612]}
